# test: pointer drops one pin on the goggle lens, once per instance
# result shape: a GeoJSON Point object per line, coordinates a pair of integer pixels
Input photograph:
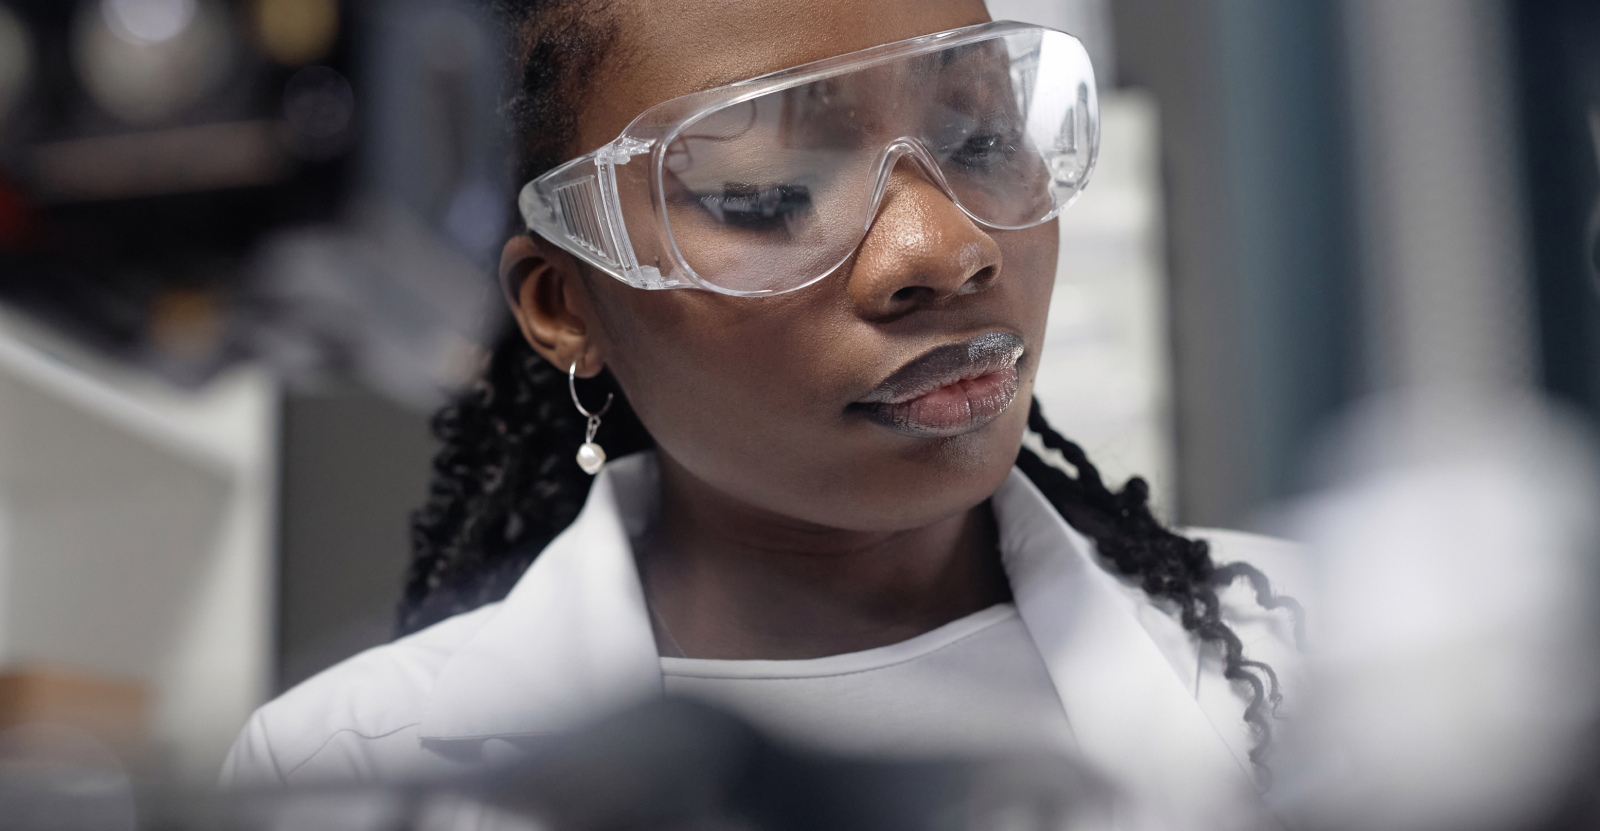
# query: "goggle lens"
{"type": "Point", "coordinates": [771, 192]}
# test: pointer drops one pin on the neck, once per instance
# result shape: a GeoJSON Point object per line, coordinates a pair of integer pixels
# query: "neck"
{"type": "Point", "coordinates": [729, 580]}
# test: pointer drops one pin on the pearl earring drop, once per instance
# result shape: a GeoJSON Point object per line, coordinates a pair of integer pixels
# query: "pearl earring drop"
{"type": "Point", "coordinates": [591, 456]}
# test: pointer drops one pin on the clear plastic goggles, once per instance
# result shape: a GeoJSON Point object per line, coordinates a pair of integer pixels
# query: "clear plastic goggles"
{"type": "Point", "coordinates": [768, 185]}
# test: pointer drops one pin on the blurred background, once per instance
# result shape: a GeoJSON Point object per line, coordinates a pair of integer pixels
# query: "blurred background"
{"type": "Point", "coordinates": [245, 250]}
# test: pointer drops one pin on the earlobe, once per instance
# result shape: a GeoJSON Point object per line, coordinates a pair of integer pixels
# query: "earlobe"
{"type": "Point", "coordinates": [546, 295]}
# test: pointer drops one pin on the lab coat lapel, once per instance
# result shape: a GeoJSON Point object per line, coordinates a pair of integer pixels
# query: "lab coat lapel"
{"type": "Point", "coordinates": [571, 642]}
{"type": "Point", "coordinates": [1129, 712]}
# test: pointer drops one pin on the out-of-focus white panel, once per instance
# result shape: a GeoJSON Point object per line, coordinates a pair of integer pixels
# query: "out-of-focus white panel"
{"type": "Point", "coordinates": [137, 535]}
{"type": "Point", "coordinates": [1105, 379]}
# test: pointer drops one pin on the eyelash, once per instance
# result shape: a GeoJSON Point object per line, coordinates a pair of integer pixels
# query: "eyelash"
{"type": "Point", "coordinates": [757, 208]}
{"type": "Point", "coordinates": [995, 147]}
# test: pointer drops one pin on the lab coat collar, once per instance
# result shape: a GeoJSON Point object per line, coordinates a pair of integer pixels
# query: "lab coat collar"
{"type": "Point", "coordinates": [573, 641]}
{"type": "Point", "coordinates": [1131, 715]}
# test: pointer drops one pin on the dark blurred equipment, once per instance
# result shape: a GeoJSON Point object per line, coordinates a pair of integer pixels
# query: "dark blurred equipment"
{"type": "Point", "coordinates": [671, 764]}
{"type": "Point", "coordinates": [1558, 54]}
{"type": "Point", "coordinates": [185, 183]}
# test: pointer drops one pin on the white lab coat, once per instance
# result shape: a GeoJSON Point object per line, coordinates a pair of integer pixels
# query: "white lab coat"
{"type": "Point", "coordinates": [573, 641]}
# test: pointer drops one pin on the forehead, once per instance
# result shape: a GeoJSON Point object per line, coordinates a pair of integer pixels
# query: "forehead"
{"type": "Point", "coordinates": [700, 44]}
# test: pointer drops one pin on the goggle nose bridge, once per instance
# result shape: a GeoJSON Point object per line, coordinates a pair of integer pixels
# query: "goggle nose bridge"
{"type": "Point", "coordinates": [917, 151]}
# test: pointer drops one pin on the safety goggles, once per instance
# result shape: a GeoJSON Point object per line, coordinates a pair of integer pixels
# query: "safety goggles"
{"type": "Point", "coordinates": [768, 185]}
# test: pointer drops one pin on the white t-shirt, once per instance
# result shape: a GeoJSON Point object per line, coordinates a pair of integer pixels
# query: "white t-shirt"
{"type": "Point", "coordinates": [974, 687]}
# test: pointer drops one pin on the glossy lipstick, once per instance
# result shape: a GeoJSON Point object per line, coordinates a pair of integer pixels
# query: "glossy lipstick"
{"type": "Point", "coordinates": [951, 390]}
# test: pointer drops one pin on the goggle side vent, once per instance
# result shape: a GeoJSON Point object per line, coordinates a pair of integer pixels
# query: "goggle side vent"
{"type": "Point", "coordinates": [577, 208]}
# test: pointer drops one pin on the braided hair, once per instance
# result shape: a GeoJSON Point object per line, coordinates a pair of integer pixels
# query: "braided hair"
{"type": "Point", "coordinates": [1170, 568]}
{"type": "Point", "coordinates": [504, 484]}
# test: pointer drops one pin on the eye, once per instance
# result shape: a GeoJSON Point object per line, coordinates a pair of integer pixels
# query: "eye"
{"type": "Point", "coordinates": [973, 136]}
{"type": "Point", "coordinates": [758, 207]}
{"type": "Point", "coordinates": [985, 150]}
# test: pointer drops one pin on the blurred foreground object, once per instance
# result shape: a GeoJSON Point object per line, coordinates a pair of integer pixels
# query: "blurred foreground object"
{"type": "Point", "coordinates": [67, 733]}
{"type": "Point", "coordinates": [111, 710]}
{"type": "Point", "coordinates": [1457, 631]}
{"type": "Point", "coordinates": [58, 777]}
{"type": "Point", "coordinates": [190, 183]}
{"type": "Point", "coordinates": [669, 765]}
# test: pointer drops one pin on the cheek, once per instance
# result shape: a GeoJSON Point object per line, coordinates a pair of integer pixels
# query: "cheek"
{"type": "Point", "coordinates": [718, 378]}
{"type": "Point", "coordinates": [1030, 262]}
{"type": "Point", "coordinates": [1027, 283]}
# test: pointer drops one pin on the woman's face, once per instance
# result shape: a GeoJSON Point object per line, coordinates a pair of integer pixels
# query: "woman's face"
{"type": "Point", "coordinates": [778, 402]}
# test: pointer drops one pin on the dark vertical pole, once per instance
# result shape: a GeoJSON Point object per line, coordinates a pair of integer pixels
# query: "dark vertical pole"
{"type": "Point", "coordinates": [1290, 209]}
{"type": "Point", "coordinates": [1259, 241]}
{"type": "Point", "coordinates": [1558, 55]}
{"type": "Point", "coordinates": [1169, 48]}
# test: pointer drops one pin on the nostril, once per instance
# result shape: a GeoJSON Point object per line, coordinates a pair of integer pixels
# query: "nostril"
{"type": "Point", "coordinates": [905, 295]}
{"type": "Point", "coordinates": [980, 281]}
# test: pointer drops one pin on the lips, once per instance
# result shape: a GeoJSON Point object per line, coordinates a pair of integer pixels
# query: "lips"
{"type": "Point", "coordinates": [951, 390]}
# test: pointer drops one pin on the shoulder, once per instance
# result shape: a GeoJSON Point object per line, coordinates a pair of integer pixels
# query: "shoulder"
{"type": "Point", "coordinates": [349, 709]}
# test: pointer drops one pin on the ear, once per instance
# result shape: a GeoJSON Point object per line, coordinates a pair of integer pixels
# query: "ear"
{"type": "Point", "coordinates": [551, 304]}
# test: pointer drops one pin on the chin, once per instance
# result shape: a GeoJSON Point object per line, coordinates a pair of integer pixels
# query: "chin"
{"type": "Point", "coordinates": [936, 478]}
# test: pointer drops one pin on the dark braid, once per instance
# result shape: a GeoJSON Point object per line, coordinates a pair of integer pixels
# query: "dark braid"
{"type": "Point", "coordinates": [1169, 567]}
{"type": "Point", "coordinates": [506, 483]}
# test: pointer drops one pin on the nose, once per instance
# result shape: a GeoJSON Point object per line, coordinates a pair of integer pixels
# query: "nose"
{"type": "Point", "coordinates": [921, 251]}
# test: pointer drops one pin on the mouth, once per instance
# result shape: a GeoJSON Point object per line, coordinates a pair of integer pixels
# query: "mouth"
{"type": "Point", "coordinates": [949, 391]}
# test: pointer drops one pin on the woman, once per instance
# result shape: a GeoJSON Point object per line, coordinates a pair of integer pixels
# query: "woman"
{"type": "Point", "coordinates": [821, 517]}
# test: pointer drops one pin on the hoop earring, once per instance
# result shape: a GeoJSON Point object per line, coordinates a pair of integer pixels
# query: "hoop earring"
{"type": "Point", "coordinates": [591, 457]}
